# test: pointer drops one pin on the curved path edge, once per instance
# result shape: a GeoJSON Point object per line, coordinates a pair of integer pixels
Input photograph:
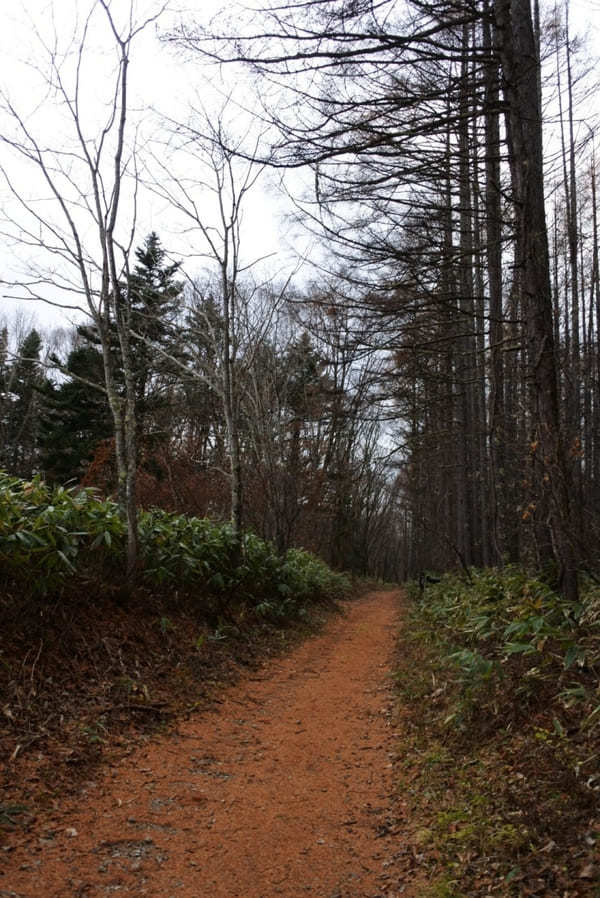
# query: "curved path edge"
{"type": "Point", "coordinates": [285, 790]}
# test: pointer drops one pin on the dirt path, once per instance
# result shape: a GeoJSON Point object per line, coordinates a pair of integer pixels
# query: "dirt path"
{"type": "Point", "coordinates": [284, 791]}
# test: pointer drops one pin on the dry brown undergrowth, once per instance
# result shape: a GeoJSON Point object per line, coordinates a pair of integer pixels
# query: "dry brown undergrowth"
{"type": "Point", "coordinates": [85, 679]}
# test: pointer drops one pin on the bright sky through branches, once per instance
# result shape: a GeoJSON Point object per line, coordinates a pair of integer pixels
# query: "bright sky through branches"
{"type": "Point", "coordinates": [162, 83]}
{"type": "Point", "coordinates": [164, 90]}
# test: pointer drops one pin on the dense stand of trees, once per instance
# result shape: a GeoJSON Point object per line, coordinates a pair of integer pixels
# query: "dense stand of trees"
{"type": "Point", "coordinates": [424, 126]}
{"type": "Point", "coordinates": [307, 428]}
{"type": "Point", "coordinates": [433, 398]}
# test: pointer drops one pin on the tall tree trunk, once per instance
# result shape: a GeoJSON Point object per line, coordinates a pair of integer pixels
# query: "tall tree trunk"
{"type": "Point", "coordinates": [454, 461]}
{"type": "Point", "coordinates": [481, 312]}
{"type": "Point", "coordinates": [231, 407]}
{"type": "Point", "coordinates": [572, 297]}
{"type": "Point", "coordinates": [595, 314]}
{"type": "Point", "coordinates": [520, 64]}
{"type": "Point", "coordinates": [466, 318]}
{"type": "Point", "coordinates": [493, 227]}
{"type": "Point", "coordinates": [573, 230]}
{"type": "Point", "coordinates": [129, 449]}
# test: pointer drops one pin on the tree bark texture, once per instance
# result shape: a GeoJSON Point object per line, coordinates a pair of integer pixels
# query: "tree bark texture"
{"type": "Point", "coordinates": [520, 64]}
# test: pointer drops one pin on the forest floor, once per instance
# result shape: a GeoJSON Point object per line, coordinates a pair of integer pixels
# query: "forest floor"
{"type": "Point", "coordinates": [285, 787]}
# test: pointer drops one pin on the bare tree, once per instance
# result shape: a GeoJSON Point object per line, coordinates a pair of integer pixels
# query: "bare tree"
{"type": "Point", "coordinates": [210, 198]}
{"type": "Point", "coordinates": [519, 56]}
{"type": "Point", "coordinates": [72, 185]}
{"type": "Point", "coordinates": [395, 110]}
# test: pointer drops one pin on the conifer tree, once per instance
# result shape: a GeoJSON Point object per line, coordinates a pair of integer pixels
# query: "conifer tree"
{"type": "Point", "coordinates": [23, 381]}
{"type": "Point", "coordinates": [75, 417]}
{"type": "Point", "coordinates": [153, 295]}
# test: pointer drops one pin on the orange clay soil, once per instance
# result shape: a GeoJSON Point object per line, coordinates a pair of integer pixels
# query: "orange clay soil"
{"type": "Point", "coordinates": [285, 790]}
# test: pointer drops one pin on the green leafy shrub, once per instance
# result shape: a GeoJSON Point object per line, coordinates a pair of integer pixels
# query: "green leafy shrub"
{"type": "Point", "coordinates": [49, 535]}
{"type": "Point", "coordinates": [499, 677]}
{"type": "Point", "coordinates": [187, 552]}
{"type": "Point", "coordinates": [505, 629]}
{"type": "Point", "coordinates": [198, 553]}
{"type": "Point", "coordinates": [309, 579]}
{"type": "Point", "coordinates": [45, 532]}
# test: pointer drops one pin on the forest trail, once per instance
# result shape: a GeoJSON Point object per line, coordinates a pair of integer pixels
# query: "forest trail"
{"type": "Point", "coordinates": [285, 790]}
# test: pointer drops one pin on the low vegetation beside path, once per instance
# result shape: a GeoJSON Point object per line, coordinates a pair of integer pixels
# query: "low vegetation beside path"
{"type": "Point", "coordinates": [499, 681]}
{"type": "Point", "coordinates": [52, 537]}
{"type": "Point", "coordinates": [85, 660]}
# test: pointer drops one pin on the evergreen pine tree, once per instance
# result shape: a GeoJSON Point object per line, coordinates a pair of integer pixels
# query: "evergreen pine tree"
{"type": "Point", "coordinates": [75, 417]}
{"type": "Point", "coordinates": [23, 381]}
{"type": "Point", "coordinates": [153, 294]}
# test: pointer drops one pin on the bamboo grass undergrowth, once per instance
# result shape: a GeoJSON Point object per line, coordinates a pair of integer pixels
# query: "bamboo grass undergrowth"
{"type": "Point", "coordinates": [498, 682]}
{"type": "Point", "coordinates": [52, 536]}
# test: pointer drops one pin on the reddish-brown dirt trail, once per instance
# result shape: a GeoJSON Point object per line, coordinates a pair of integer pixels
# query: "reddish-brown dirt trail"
{"type": "Point", "coordinates": [285, 790]}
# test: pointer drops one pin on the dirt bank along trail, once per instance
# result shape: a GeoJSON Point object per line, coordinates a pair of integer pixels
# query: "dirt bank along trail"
{"type": "Point", "coordinates": [284, 790]}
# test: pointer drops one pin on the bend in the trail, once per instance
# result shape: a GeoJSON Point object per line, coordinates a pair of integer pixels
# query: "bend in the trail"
{"type": "Point", "coordinates": [285, 790]}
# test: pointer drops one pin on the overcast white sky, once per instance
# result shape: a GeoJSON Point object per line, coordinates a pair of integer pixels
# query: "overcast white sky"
{"type": "Point", "coordinates": [158, 78]}
{"type": "Point", "coordinates": [161, 83]}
